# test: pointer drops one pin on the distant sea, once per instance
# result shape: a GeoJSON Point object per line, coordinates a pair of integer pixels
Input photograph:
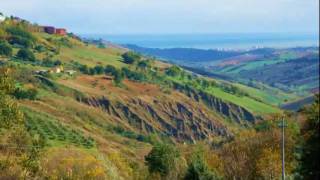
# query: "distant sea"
{"type": "Point", "coordinates": [215, 41]}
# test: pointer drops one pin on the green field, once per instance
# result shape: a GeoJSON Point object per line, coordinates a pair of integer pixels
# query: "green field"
{"type": "Point", "coordinates": [252, 104]}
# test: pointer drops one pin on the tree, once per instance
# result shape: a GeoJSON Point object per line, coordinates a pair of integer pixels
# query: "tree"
{"type": "Point", "coordinates": [198, 169]}
{"type": "Point", "coordinates": [109, 70]}
{"type": "Point", "coordinates": [5, 49]}
{"type": "Point", "coordinates": [9, 112]}
{"type": "Point", "coordinates": [63, 163]}
{"type": "Point", "coordinates": [130, 57]}
{"type": "Point", "coordinates": [267, 165]}
{"type": "Point", "coordinates": [20, 93]}
{"type": "Point", "coordinates": [98, 69]}
{"type": "Point", "coordinates": [17, 40]}
{"type": "Point", "coordinates": [310, 156]}
{"type": "Point", "coordinates": [118, 77]}
{"type": "Point", "coordinates": [20, 32]}
{"type": "Point", "coordinates": [173, 71]}
{"type": "Point", "coordinates": [143, 64]}
{"type": "Point", "coordinates": [162, 159]}
{"type": "Point", "coordinates": [21, 162]}
{"type": "Point", "coordinates": [26, 55]}
{"type": "Point", "coordinates": [84, 69]}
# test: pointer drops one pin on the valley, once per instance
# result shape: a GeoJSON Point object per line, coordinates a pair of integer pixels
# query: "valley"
{"type": "Point", "coordinates": [292, 70]}
{"type": "Point", "coordinates": [78, 109]}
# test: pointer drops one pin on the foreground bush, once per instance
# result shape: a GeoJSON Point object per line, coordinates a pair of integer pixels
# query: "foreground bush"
{"type": "Point", "coordinates": [72, 164]}
{"type": "Point", "coordinates": [165, 161]}
{"type": "Point", "coordinates": [198, 169]}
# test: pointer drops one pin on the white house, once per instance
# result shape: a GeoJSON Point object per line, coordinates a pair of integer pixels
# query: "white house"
{"type": "Point", "coordinates": [71, 72]}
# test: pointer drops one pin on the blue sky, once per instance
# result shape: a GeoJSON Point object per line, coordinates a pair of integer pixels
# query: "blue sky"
{"type": "Point", "coordinates": [169, 16]}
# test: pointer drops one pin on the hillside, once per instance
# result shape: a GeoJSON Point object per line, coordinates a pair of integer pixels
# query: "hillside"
{"type": "Point", "coordinates": [108, 107]}
{"type": "Point", "coordinates": [294, 70]}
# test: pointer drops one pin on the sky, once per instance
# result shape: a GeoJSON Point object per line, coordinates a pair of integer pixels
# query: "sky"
{"type": "Point", "coordinates": [170, 16]}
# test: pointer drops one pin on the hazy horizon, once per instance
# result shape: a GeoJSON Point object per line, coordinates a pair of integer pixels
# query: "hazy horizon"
{"type": "Point", "coordinates": [234, 41]}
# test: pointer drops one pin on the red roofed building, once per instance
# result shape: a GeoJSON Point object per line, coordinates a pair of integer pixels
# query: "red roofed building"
{"type": "Point", "coordinates": [61, 31]}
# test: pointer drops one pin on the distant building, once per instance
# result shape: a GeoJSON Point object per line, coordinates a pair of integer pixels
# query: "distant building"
{"type": "Point", "coordinates": [16, 19]}
{"type": "Point", "coordinates": [58, 69]}
{"type": "Point", "coordinates": [41, 72]}
{"type": "Point", "coordinates": [61, 31]}
{"type": "Point", "coordinates": [70, 72]}
{"type": "Point", "coordinates": [49, 29]}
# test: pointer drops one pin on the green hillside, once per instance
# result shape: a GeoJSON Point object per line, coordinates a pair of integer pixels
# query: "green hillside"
{"type": "Point", "coordinates": [71, 109]}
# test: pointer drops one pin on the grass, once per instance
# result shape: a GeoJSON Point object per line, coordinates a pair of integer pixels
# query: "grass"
{"type": "Point", "coordinates": [249, 65]}
{"type": "Point", "coordinates": [91, 56]}
{"type": "Point", "coordinates": [251, 104]}
{"type": "Point", "coordinates": [244, 101]}
{"type": "Point", "coordinates": [267, 94]}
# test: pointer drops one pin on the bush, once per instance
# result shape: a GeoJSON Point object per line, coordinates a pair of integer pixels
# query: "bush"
{"type": "Point", "coordinates": [26, 55]}
{"type": "Point", "coordinates": [198, 170]}
{"type": "Point", "coordinates": [162, 159]}
{"type": "Point", "coordinates": [143, 64]}
{"type": "Point", "coordinates": [132, 75]}
{"type": "Point", "coordinates": [118, 77]}
{"type": "Point", "coordinates": [130, 57]}
{"type": "Point", "coordinates": [98, 69]}
{"type": "Point", "coordinates": [40, 48]}
{"type": "Point", "coordinates": [25, 94]}
{"type": "Point", "coordinates": [20, 41]}
{"type": "Point", "coordinates": [109, 70]}
{"type": "Point", "coordinates": [19, 32]}
{"type": "Point", "coordinates": [173, 71]}
{"type": "Point", "coordinates": [50, 63]}
{"type": "Point", "coordinates": [84, 69]}
{"type": "Point", "coordinates": [5, 49]}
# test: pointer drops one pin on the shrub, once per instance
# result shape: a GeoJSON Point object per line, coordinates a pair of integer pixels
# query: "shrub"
{"type": "Point", "coordinates": [40, 48]}
{"type": "Point", "coordinates": [162, 159]}
{"type": "Point", "coordinates": [109, 70]}
{"type": "Point", "coordinates": [143, 64]}
{"type": "Point", "coordinates": [5, 49]}
{"type": "Point", "coordinates": [26, 55]}
{"type": "Point", "coordinates": [17, 31]}
{"type": "Point", "coordinates": [20, 41]}
{"type": "Point", "coordinates": [99, 69]}
{"type": "Point", "coordinates": [50, 63]}
{"type": "Point", "coordinates": [173, 71]}
{"type": "Point", "coordinates": [84, 69]}
{"type": "Point", "coordinates": [198, 169]}
{"type": "Point", "coordinates": [130, 57]}
{"type": "Point", "coordinates": [132, 75]}
{"type": "Point", "coordinates": [118, 77]}
{"type": "Point", "coordinates": [25, 94]}
{"type": "Point", "coordinates": [64, 164]}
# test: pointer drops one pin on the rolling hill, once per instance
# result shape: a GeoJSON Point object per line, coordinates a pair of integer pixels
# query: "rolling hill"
{"type": "Point", "coordinates": [107, 107]}
{"type": "Point", "coordinates": [293, 70]}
